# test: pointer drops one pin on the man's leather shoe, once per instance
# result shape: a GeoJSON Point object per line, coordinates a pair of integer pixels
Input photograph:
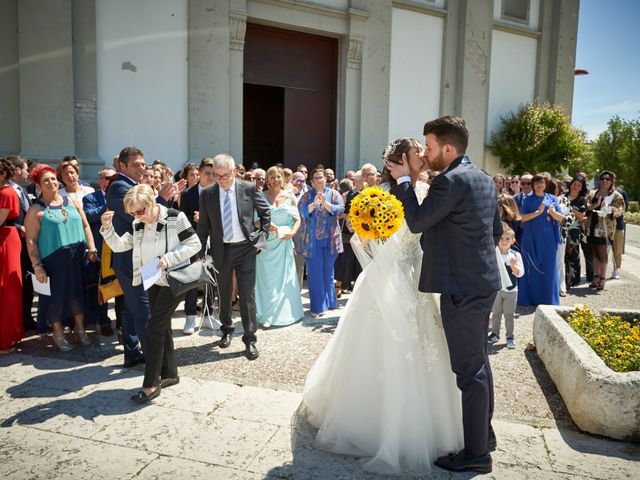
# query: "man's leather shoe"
{"type": "Point", "coordinates": [251, 352]}
{"type": "Point", "coordinates": [132, 363]}
{"type": "Point", "coordinates": [461, 462]}
{"type": "Point", "coordinates": [225, 341]}
{"type": "Point", "coordinates": [141, 398]}
{"type": "Point", "coordinates": [169, 382]}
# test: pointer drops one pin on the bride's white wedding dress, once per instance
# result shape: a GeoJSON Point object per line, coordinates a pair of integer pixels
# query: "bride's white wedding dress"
{"type": "Point", "coordinates": [383, 389]}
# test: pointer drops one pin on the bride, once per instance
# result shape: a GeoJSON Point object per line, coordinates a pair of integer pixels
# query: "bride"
{"type": "Point", "coordinates": [383, 389]}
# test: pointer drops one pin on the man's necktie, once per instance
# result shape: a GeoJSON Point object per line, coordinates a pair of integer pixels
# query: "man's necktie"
{"type": "Point", "coordinates": [227, 218]}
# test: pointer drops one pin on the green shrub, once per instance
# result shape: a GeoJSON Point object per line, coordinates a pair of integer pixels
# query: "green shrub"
{"type": "Point", "coordinates": [632, 217]}
{"type": "Point", "coordinates": [616, 341]}
{"type": "Point", "coordinates": [634, 207]}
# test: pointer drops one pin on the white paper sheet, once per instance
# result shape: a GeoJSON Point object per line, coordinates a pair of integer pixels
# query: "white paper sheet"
{"type": "Point", "coordinates": [150, 273]}
{"type": "Point", "coordinates": [41, 288]}
{"type": "Point", "coordinates": [282, 231]}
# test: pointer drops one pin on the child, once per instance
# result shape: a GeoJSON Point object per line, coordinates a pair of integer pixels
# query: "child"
{"type": "Point", "coordinates": [505, 302]}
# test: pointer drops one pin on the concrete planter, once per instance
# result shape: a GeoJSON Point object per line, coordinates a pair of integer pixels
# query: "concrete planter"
{"type": "Point", "coordinates": [599, 400]}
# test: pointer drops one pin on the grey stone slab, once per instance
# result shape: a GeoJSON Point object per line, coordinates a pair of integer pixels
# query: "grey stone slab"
{"type": "Point", "coordinates": [59, 374]}
{"type": "Point", "coordinates": [28, 453]}
{"type": "Point", "coordinates": [163, 468]}
{"type": "Point", "coordinates": [75, 414]}
{"type": "Point", "coordinates": [260, 404]}
{"type": "Point", "coordinates": [206, 438]}
{"type": "Point", "coordinates": [198, 396]}
{"type": "Point", "coordinates": [590, 457]}
{"type": "Point", "coordinates": [521, 445]}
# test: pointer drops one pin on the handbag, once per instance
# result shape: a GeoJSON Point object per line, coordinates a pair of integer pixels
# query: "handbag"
{"type": "Point", "coordinates": [108, 285]}
{"type": "Point", "coordinates": [184, 278]}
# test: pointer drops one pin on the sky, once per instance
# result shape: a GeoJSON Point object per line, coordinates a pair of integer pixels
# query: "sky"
{"type": "Point", "coordinates": [609, 48]}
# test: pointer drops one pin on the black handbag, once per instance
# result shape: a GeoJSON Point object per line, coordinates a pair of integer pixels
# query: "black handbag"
{"type": "Point", "coordinates": [183, 279]}
{"type": "Point", "coordinates": [187, 277]}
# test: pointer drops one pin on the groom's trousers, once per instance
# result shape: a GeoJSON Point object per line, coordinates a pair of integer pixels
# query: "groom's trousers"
{"type": "Point", "coordinates": [465, 320]}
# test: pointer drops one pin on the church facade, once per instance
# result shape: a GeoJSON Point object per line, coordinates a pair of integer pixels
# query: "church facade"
{"type": "Point", "coordinates": [268, 81]}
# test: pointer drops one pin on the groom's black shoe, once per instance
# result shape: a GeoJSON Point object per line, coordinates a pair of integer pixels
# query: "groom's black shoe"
{"type": "Point", "coordinates": [461, 462]}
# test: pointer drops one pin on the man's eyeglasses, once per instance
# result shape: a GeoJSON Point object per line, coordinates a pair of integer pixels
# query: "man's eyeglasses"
{"type": "Point", "coordinates": [298, 180]}
{"type": "Point", "coordinates": [226, 176]}
{"type": "Point", "coordinates": [525, 183]}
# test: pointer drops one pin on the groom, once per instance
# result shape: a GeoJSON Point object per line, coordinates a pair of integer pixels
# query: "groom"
{"type": "Point", "coordinates": [461, 226]}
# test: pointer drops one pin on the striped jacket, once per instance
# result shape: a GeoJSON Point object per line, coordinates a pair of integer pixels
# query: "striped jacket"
{"type": "Point", "coordinates": [183, 243]}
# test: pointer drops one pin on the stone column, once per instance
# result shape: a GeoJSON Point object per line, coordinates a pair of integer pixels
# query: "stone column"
{"type": "Point", "coordinates": [352, 88]}
{"type": "Point", "coordinates": [208, 78]}
{"type": "Point", "coordinates": [557, 52]}
{"type": "Point", "coordinates": [237, 30]}
{"type": "Point", "coordinates": [474, 60]}
{"type": "Point", "coordinates": [85, 92]}
{"type": "Point", "coordinates": [9, 79]}
{"type": "Point", "coordinates": [46, 78]}
{"type": "Point", "coordinates": [375, 75]}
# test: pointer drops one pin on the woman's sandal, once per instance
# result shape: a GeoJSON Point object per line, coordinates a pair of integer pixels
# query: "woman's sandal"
{"type": "Point", "coordinates": [600, 285]}
{"type": "Point", "coordinates": [595, 282]}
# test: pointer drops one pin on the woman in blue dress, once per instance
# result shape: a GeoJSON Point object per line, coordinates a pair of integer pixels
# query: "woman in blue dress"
{"type": "Point", "coordinates": [540, 238]}
{"type": "Point", "coordinates": [278, 301]}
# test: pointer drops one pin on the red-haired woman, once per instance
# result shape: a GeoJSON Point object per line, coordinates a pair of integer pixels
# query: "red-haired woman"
{"type": "Point", "coordinates": [10, 272]}
{"type": "Point", "coordinates": [57, 238]}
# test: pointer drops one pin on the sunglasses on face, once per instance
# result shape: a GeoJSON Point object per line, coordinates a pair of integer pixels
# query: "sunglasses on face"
{"type": "Point", "coordinates": [515, 181]}
{"type": "Point", "coordinates": [525, 183]}
{"type": "Point", "coordinates": [139, 213]}
{"type": "Point", "coordinates": [298, 181]}
{"type": "Point", "coordinates": [605, 179]}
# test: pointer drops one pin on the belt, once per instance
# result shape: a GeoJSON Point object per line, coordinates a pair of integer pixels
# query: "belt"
{"type": "Point", "coordinates": [9, 223]}
{"type": "Point", "coordinates": [237, 244]}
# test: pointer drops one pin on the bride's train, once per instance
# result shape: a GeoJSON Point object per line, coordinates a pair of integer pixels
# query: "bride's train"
{"type": "Point", "coordinates": [383, 388]}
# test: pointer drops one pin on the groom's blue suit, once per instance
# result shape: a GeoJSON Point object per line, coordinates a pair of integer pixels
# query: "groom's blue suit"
{"type": "Point", "coordinates": [461, 226]}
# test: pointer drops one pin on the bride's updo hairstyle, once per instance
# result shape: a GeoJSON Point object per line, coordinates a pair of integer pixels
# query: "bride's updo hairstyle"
{"type": "Point", "coordinates": [393, 153]}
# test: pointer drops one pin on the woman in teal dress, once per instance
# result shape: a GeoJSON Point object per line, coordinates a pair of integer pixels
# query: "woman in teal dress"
{"type": "Point", "coordinates": [278, 299]}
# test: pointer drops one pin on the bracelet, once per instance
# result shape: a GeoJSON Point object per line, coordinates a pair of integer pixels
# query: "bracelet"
{"type": "Point", "coordinates": [37, 265]}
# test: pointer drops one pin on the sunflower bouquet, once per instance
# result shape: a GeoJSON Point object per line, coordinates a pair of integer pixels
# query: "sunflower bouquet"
{"type": "Point", "coordinates": [375, 214]}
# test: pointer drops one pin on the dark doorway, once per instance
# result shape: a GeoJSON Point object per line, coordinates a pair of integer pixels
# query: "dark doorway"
{"type": "Point", "coordinates": [263, 126]}
{"type": "Point", "coordinates": [289, 98]}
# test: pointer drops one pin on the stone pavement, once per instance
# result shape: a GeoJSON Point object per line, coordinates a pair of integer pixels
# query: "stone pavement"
{"type": "Point", "coordinates": [61, 419]}
{"type": "Point", "coordinates": [71, 418]}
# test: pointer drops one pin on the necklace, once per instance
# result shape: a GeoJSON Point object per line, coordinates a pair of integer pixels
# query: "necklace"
{"type": "Point", "coordinates": [51, 213]}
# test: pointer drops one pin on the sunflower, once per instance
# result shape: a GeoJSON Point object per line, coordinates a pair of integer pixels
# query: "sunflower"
{"type": "Point", "coordinates": [375, 214]}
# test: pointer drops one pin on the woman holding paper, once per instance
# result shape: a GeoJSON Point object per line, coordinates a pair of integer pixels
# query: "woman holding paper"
{"type": "Point", "coordinates": [58, 240]}
{"type": "Point", "coordinates": [605, 204]}
{"type": "Point", "coordinates": [11, 330]}
{"type": "Point", "coordinates": [278, 300]}
{"type": "Point", "coordinates": [162, 238]}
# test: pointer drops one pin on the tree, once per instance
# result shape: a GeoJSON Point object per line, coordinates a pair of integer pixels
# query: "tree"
{"type": "Point", "coordinates": [537, 138]}
{"type": "Point", "coordinates": [618, 149]}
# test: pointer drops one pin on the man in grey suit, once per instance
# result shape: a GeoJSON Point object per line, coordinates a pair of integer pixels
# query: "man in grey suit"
{"type": "Point", "coordinates": [227, 218]}
{"type": "Point", "coordinates": [461, 226]}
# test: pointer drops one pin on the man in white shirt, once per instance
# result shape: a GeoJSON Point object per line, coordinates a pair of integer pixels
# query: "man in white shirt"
{"type": "Point", "coordinates": [227, 219]}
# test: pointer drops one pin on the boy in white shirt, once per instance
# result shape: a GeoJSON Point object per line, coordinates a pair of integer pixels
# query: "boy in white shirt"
{"type": "Point", "coordinates": [505, 302]}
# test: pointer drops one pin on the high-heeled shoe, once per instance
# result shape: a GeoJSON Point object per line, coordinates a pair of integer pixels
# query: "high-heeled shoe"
{"type": "Point", "coordinates": [84, 338]}
{"type": "Point", "coordinates": [62, 344]}
{"type": "Point", "coordinates": [595, 282]}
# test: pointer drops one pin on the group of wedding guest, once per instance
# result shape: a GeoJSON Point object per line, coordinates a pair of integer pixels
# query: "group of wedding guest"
{"type": "Point", "coordinates": [554, 219]}
{"type": "Point", "coordinates": [59, 223]}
